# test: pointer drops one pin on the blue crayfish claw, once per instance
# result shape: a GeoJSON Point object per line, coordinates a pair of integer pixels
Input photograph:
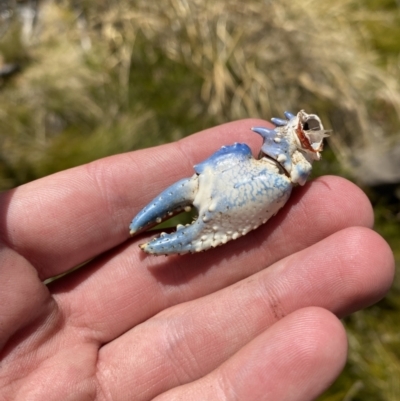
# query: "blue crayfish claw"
{"type": "Point", "coordinates": [232, 191]}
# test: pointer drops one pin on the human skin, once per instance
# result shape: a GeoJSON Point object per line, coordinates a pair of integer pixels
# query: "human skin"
{"type": "Point", "coordinates": [255, 319]}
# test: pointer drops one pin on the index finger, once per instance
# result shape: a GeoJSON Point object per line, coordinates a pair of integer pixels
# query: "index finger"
{"type": "Point", "coordinates": [63, 220]}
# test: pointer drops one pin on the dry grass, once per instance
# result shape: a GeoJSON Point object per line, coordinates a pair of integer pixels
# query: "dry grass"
{"type": "Point", "coordinates": [255, 60]}
{"type": "Point", "coordinates": [269, 56]}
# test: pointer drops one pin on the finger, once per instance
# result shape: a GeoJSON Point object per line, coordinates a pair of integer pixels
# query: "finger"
{"type": "Point", "coordinates": [65, 219]}
{"type": "Point", "coordinates": [295, 360]}
{"type": "Point", "coordinates": [24, 298]}
{"type": "Point", "coordinates": [125, 288]}
{"type": "Point", "coordinates": [348, 270]}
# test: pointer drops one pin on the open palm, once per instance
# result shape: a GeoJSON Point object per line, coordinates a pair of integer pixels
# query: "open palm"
{"type": "Point", "coordinates": [251, 320]}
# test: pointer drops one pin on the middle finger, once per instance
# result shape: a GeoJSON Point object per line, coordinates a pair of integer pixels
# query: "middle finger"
{"type": "Point", "coordinates": [124, 288]}
{"type": "Point", "coordinates": [186, 342]}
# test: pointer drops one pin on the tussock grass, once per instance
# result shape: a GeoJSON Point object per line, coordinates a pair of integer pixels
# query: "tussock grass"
{"type": "Point", "coordinates": [85, 65]}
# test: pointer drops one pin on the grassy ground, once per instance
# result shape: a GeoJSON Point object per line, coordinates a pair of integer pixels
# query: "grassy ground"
{"type": "Point", "coordinates": [105, 77]}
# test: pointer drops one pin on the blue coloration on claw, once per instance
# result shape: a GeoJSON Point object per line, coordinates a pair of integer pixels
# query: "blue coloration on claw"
{"type": "Point", "coordinates": [172, 200]}
{"type": "Point", "coordinates": [289, 115]}
{"type": "Point", "coordinates": [232, 191]}
{"type": "Point", "coordinates": [275, 146]}
{"type": "Point", "coordinates": [224, 157]}
{"type": "Point", "coordinates": [230, 183]}
{"type": "Point", "coordinates": [279, 122]}
{"type": "Point", "coordinates": [266, 133]}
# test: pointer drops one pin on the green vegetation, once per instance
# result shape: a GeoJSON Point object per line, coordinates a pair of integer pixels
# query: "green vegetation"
{"type": "Point", "coordinates": [112, 76]}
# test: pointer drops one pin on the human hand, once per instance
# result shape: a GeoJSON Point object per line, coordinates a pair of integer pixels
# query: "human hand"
{"type": "Point", "coordinates": [251, 320]}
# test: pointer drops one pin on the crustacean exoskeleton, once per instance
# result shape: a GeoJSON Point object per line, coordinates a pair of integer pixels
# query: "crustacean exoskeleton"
{"type": "Point", "coordinates": [232, 191]}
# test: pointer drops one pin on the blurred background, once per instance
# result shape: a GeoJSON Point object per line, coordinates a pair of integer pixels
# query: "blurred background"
{"type": "Point", "coordinates": [80, 80]}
